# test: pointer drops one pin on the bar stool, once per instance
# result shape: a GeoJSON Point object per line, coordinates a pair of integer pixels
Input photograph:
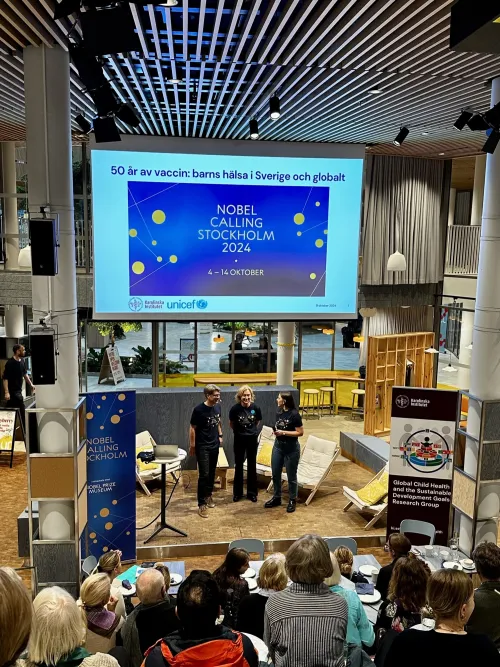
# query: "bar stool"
{"type": "Point", "coordinates": [356, 409]}
{"type": "Point", "coordinates": [311, 402]}
{"type": "Point", "coordinates": [327, 395]}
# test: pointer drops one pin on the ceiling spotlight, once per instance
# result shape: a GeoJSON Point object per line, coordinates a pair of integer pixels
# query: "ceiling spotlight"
{"type": "Point", "coordinates": [375, 91]}
{"type": "Point", "coordinates": [274, 108]}
{"type": "Point", "coordinates": [477, 123]}
{"type": "Point", "coordinates": [462, 120]}
{"type": "Point", "coordinates": [254, 128]}
{"type": "Point", "coordinates": [491, 142]}
{"type": "Point", "coordinates": [174, 82]}
{"type": "Point", "coordinates": [169, 3]}
{"type": "Point", "coordinates": [402, 134]}
{"type": "Point", "coordinates": [425, 134]}
{"type": "Point", "coordinates": [492, 116]}
{"type": "Point", "coordinates": [105, 130]}
{"type": "Point", "coordinates": [83, 123]}
{"type": "Point", "coordinates": [126, 114]}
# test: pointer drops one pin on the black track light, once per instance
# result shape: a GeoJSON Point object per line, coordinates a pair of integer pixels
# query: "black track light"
{"type": "Point", "coordinates": [105, 130]}
{"type": "Point", "coordinates": [492, 116]}
{"type": "Point", "coordinates": [491, 142]}
{"type": "Point", "coordinates": [126, 114]}
{"type": "Point", "coordinates": [462, 120]}
{"type": "Point", "coordinates": [477, 123]}
{"type": "Point", "coordinates": [274, 108]}
{"type": "Point", "coordinates": [402, 134]}
{"type": "Point", "coordinates": [83, 123]}
{"type": "Point", "coordinates": [254, 128]}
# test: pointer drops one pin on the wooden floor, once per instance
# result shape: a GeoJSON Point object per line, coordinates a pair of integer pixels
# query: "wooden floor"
{"type": "Point", "coordinates": [229, 520]}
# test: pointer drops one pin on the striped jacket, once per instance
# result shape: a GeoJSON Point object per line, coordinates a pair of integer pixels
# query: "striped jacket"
{"type": "Point", "coordinates": [305, 626]}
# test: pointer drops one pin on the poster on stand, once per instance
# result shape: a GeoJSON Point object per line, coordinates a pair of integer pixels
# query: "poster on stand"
{"type": "Point", "coordinates": [111, 467]}
{"type": "Point", "coordinates": [421, 458]}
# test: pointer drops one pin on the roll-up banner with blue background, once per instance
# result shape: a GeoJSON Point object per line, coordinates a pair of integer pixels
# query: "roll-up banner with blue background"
{"type": "Point", "coordinates": [111, 469]}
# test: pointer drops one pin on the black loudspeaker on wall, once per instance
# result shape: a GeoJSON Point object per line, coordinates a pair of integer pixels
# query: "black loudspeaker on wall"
{"type": "Point", "coordinates": [43, 239]}
{"type": "Point", "coordinates": [43, 358]}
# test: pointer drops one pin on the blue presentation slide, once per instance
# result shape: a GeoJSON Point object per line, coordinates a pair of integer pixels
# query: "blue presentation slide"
{"type": "Point", "coordinates": [191, 236]}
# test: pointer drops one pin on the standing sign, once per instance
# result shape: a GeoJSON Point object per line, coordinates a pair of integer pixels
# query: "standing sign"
{"type": "Point", "coordinates": [421, 458]}
{"type": "Point", "coordinates": [111, 365]}
{"type": "Point", "coordinates": [8, 431]}
{"type": "Point", "coordinates": [111, 467]}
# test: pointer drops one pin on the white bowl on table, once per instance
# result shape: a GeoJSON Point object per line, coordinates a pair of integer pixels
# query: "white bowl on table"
{"type": "Point", "coordinates": [368, 570]}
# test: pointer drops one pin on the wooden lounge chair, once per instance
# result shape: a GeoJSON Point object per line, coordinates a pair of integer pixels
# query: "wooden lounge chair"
{"type": "Point", "coordinates": [378, 510]}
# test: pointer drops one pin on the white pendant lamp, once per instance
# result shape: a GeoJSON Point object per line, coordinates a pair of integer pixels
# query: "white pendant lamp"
{"type": "Point", "coordinates": [431, 350]}
{"type": "Point", "coordinates": [449, 368]}
{"type": "Point", "coordinates": [469, 347]}
{"type": "Point", "coordinates": [396, 262]}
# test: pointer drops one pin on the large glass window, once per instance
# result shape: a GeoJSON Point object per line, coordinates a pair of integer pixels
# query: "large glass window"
{"type": "Point", "coordinates": [316, 345]}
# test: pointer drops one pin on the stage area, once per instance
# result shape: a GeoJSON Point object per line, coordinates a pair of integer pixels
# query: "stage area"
{"type": "Point", "coordinates": [229, 521]}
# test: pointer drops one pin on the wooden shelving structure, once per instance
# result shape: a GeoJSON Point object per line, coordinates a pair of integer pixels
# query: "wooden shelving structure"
{"type": "Point", "coordinates": [387, 368]}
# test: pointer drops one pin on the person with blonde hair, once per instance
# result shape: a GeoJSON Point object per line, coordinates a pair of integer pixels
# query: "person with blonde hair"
{"type": "Point", "coordinates": [306, 623]}
{"type": "Point", "coordinates": [272, 578]}
{"type": "Point", "coordinates": [349, 577]}
{"type": "Point", "coordinates": [111, 564]}
{"type": "Point", "coordinates": [16, 612]}
{"type": "Point", "coordinates": [99, 613]}
{"type": "Point", "coordinates": [58, 634]}
{"type": "Point", "coordinates": [244, 419]}
{"type": "Point", "coordinates": [450, 595]}
{"type": "Point", "coordinates": [359, 629]}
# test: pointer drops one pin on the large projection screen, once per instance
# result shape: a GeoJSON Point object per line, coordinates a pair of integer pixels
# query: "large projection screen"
{"type": "Point", "coordinates": [207, 230]}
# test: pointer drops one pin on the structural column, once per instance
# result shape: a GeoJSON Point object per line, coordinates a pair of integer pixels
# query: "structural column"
{"type": "Point", "coordinates": [478, 191]}
{"type": "Point", "coordinates": [48, 138]}
{"type": "Point", "coordinates": [485, 363]}
{"type": "Point", "coordinates": [286, 349]}
{"type": "Point", "coordinates": [451, 207]}
{"type": "Point", "coordinates": [14, 315]}
{"type": "Point", "coordinates": [465, 352]}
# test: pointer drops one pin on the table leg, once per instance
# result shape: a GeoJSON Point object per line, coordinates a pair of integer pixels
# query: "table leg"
{"type": "Point", "coordinates": [163, 511]}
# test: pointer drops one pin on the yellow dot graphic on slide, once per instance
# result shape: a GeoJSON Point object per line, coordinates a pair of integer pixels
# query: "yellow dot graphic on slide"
{"type": "Point", "coordinates": [138, 267]}
{"type": "Point", "coordinates": [90, 415]}
{"type": "Point", "coordinates": [319, 243]}
{"type": "Point", "coordinates": [121, 397]}
{"type": "Point", "coordinates": [159, 259]}
{"type": "Point", "coordinates": [299, 218]}
{"type": "Point", "coordinates": [133, 233]}
{"type": "Point", "coordinates": [115, 419]}
{"type": "Point", "coordinates": [115, 502]}
{"type": "Point", "coordinates": [325, 231]}
{"type": "Point", "coordinates": [158, 217]}
{"type": "Point", "coordinates": [98, 407]}
{"type": "Point", "coordinates": [173, 258]}
{"type": "Point", "coordinates": [92, 536]}
{"type": "Point", "coordinates": [105, 549]}
{"type": "Point", "coordinates": [104, 512]}
{"type": "Point", "coordinates": [128, 532]}
{"type": "Point", "coordinates": [95, 541]}
{"type": "Point", "coordinates": [120, 411]}
{"type": "Point", "coordinates": [312, 276]}
{"type": "Point", "coordinates": [103, 398]}
{"type": "Point", "coordinates": [102, 428]}
{"type": "Point", "coordinates": [317, 203]}
{"type": "Point", "coordinates": [299, 233]}
{"type": "Point", "coordinates": [108, 525]}
{"type": "Point", "coordinates": [154, 242]}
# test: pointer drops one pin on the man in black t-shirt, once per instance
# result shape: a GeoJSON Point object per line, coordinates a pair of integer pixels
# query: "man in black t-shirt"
{"type": "Point", "coordinates": [13, 375]}
{"type": "Point", "coordinates": [205, 438]}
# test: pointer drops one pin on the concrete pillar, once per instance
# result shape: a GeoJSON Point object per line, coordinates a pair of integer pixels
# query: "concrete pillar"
{"type": "Point", "coordinates": [485, 363]}
{"type": "Point", "coordinates": [465, 353]}
{"type": "Point", "coordinates": [48, 139]}
{"type": "Point", "coordinates": [451, 207]}
{"type": "Point", "coordinates": [478, 191]}
{"type": "Point", "coordinates": [286, 348]}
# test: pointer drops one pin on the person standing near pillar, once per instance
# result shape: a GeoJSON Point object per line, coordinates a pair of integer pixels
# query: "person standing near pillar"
{"type": "Point", "coordinates": [244, 418]}
{"type": "Point", "coordinates": [14, 374]}
{"type": "Point", "coordinates": [286, 450]}
{"type": "Point", "coordinates": [205, 438]}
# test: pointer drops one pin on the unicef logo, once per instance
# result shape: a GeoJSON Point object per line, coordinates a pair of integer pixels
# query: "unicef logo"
{"type": "Point", "coordinates": [402, 401]}
{"type": "Point", "coordinates": [135, 304]}
{"type": "Point", "coordinates": [201, 304]}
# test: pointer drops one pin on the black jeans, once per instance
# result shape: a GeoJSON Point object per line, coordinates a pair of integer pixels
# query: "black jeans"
{"type": "Point", "coordinates": [245, 446]}
{"type": "Point", "coordinates": [288, 456]}
{"type": "Point", "coordinates": [17, 401]}
{"type": "Point", "coordinates": [207, 463]}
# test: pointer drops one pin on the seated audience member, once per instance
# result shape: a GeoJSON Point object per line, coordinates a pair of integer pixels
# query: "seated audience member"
{"type": "Point", "coordinates": [151, 620]}
{"type": "Point", "coordinates": [450, 595]}
{"type": "Point", "coordinates": [165, 573]}
{"type": "Point", "coordinates": [200, 641]}
{"type": "Point", "coordinates": [232, 587]}
{"type": "Point", "coordinates": [399, 545]}
{"type": "Point", "coordinates": [345, 560]}
{"type": "Point", "coordinates": [111, 564]}
{"type": "Point", "coordinates": [99, 606]}
{"type": "Point", "coordinates": [16, 612]}
{"type": "Point", "coordinates": [485, 618]}
{"type": "Point", "coordinates": [359, 629]}
{"type": "Point", "coordinates": [58, 633]}
{"type": "Point", "coordinates": [406, 597]}
{"type": "Point", "coordinates": [272, 578]}
{"type": "Point", "coordinates": [306, 623]}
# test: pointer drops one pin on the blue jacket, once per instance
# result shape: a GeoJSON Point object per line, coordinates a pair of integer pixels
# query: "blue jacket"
{"type": "Point", "coordinates": [359, 629]}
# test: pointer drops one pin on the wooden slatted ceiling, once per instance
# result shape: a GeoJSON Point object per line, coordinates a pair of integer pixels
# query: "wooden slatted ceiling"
{"type": "Point", "coordinates": [322, 56]}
